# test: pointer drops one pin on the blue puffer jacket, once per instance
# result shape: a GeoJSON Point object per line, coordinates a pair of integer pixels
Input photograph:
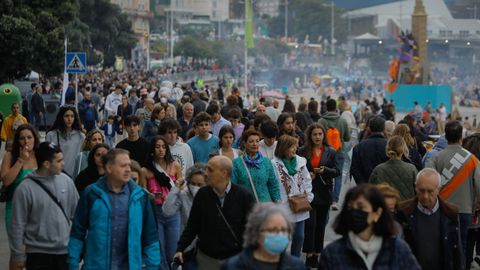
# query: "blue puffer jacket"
{"type": "Point", "coordinates": [91, 230]}
{"type": "Point", "coordinates": [394, 255]}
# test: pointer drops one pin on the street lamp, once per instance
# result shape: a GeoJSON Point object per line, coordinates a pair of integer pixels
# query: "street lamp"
{"type": "Point", "coordinates": [332, 40]}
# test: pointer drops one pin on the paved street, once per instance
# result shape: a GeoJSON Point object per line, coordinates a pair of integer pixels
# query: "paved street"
{"type": "Point", "coordinates": [329, 237]}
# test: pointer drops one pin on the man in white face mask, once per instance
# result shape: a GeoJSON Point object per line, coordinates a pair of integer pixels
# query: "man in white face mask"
{"type": "Point", "coordinates": [181, 195]}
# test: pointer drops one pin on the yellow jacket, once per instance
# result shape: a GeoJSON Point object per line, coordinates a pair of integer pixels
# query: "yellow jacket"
{"type": "Point", "coordinates": [10, 124]}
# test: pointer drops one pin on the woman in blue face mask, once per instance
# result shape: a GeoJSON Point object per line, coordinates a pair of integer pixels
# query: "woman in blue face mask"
{"type": "Point", "coordinates": [267, 235]}
{"type": "Point", "coordinates": [369, 240]}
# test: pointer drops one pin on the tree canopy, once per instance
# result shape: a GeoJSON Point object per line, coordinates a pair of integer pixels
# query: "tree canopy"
{"type": "Point", "coordinates": [33, 32]}
{"type": "Point", "coordinates": [308, 17]}
{"type": "Point", "coordinates": [222, 51]}
{"type": "Point", "coordinates": [32, 36]}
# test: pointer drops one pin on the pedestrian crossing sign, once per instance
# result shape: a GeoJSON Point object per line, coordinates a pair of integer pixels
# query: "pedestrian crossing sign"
{"type": "Point", "coordinates": [76, 62]}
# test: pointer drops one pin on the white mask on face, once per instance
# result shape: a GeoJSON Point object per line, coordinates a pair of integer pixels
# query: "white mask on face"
{"type": "Point", "coordinates": [193, 189]}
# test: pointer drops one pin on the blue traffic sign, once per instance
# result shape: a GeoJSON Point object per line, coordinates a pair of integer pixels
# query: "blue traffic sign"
{"type": "Point", "coordinates": [76, 62]}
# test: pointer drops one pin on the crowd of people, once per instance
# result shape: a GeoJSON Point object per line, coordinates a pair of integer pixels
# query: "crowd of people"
{"type": "Point", "coordinates": [163, 175]}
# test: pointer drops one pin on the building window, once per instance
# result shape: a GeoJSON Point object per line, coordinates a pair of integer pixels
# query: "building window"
{"type": "Point", "coordinates": [464, 33]}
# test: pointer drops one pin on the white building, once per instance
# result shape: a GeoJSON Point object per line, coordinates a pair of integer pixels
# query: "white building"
{"type": "Point", "coordinates": [389, 19]}
{"type": "Point", "coordinates": [268, 7]}
{"type": "Point", "coordinates": [138, 11]}
{"type": "Point", "coordinates": [211, 10]}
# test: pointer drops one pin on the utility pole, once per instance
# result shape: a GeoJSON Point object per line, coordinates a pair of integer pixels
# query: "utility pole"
{"type": "Point", "coordinates": [171, 34]}
{"type": "Point", "coordinates": [286, 21]}
{"type": "Point", "coordinates": [332, 40]}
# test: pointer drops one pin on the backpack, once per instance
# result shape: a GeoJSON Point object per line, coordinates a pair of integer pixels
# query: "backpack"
{"type": "Point", "coordinates": [333, 138]}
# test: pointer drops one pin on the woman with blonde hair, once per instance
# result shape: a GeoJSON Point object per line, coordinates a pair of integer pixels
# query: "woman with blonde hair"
{"type": "Point", "coordinates": [137, 174]}
{"type": "Point", "coordinates": [413, 156]}
{"type": "Point", "coordinates": [395, 172]}
{"type": "Point", "coordinates": [93, 138]}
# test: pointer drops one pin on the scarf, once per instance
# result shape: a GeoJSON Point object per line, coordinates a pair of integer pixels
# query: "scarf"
{"type": "Point", "coordinates": [367, 250]}
{"type": "Point", "coordinates": [291, 165]}
{"type": "Point", "coordinates": [160, 175]}
{"type": "Point", "coordinates": [255, 162]}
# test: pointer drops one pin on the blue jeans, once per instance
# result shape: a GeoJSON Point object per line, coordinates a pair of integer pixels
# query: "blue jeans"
{"type": "Point", "coordinates": [168, 235]}
{"type": "Point", "coordinates": [39, 121]}
{"type": "Point", "coordinates": [297, 239]}
{"type": "Point", "coordinates": [109, 141]}
{"type": "Point", "coordinates": [338, 180]}
{"type": "Point", "coordinates": [465, 220]}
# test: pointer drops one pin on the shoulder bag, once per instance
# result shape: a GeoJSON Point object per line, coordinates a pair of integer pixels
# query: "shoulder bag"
{"type": "Point", "coordinates": [251, 181]}
{"type": "Point", "coordinates": [237, 242]}
{"type": "Point", "coordinates": [55, 199]}
{"type": "Point", "coordinates": [298, 203]}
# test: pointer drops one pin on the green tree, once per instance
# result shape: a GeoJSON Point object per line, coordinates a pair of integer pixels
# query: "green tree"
{"type": "Point", "coordinates": [222, 51]}
{"type": "Point", "coordinates": [32, 34]}
{"type": "Point", "coordinates": [110, 31]}
{"type": "Point", "coordinates": [309, 17]}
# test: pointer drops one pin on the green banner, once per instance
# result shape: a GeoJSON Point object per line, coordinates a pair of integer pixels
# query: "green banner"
{"type": "Point", "coordinates": [249, 25]}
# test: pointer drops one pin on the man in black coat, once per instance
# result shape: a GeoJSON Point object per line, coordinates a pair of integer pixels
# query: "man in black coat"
{"type": "Point", "coordinates": [369, 152]}
{"type": "Point", "coordinates": [218, 217]}
{"type": "Point", "coordinates": [38, 107]}
{"type": "Point", "coordinates": [431, 226]}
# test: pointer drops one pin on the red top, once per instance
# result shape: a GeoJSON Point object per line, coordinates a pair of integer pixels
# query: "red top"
{"type": "Point", "coordinates": [315, 159]}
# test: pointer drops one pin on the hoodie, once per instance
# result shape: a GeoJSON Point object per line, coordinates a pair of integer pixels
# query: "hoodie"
{"type": "Point", "coordinates": [37, 223]}
{"type": "Point", "coordinates": [182, 153]}
{"type": "Point", "coordinates": [70, 143]}
{"type": "Point", "coordinates": [333, 120]}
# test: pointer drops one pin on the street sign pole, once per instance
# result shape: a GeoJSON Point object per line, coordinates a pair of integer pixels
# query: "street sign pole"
{"type": "Point", "coordinates": [76, 92]}
{"type": "Point", "coordinates": [76, 63]}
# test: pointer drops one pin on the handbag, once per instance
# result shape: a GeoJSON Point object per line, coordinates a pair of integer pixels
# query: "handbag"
{"type": "Point", "coordinates": [251, 181]}
{"type": "Point", "coordinates": [298, 203]}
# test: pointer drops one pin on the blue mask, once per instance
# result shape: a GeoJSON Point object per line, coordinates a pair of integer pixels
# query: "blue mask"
{"type": "Point", "coordinates": [275, 243]}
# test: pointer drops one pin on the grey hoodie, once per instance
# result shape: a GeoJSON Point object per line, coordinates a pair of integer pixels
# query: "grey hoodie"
{"type": "Point", "coordinates": [333, 120]}
{"type": "Point", "coordinates": [71, 145]}
{"type": "Point", "coordinates": [37, 223]}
